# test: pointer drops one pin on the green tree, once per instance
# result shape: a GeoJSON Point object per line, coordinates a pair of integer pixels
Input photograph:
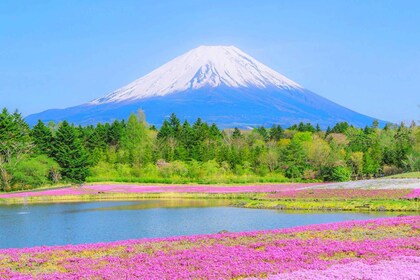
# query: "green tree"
{"type": "Point", "coordinates": [42, 138]}
{"type": "Point", "coordinates": [35, 171]}
{"type": "Point", "coordinates": [276, 132]}
{"type": "Point", "coordinates": [137, 143]}
{"type": "Point", "coordinates": [15, 145]}
{"type": "Point", "coordinates": [236, 133]}
{"type": "Point", "coordinates": [70, 154]}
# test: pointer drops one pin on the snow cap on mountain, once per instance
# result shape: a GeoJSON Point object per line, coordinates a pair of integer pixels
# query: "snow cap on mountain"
{"type": "Point", "coordinates": [205, 66]}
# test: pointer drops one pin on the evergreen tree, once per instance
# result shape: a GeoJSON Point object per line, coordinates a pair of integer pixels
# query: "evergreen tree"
{"type": "Point", "coordinates": [236, 133]}
{"type": "Point", "coordinates": [328, 131]}
{"type": "Point", "coordinates": [43, 138]}
{"type": "Point", "coordinates": [263, 132]}
{"type": "Point", "coordinates": [165, 130]}
{"type": "Point", "coordinates": [70, 154]}
{"type": "Point", "coordinates": [276, 132]}
{"type": "Point", "coordinates": [340, 127]}
{"type": "Point", "coordinates": [175, 125]}
{"type": "Point", "coordinates": [115, 133]}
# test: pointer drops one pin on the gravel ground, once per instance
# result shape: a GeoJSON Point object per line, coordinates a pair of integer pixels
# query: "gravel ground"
{"type": "Point", "coordinates": [373, 184]}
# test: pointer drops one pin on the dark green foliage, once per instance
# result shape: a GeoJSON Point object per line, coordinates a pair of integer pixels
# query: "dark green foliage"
{"type": "Point", "coordinates": [236, 133]}
{"type": "Point", "coordinates": [303, 127]}
{"type": "Point", "coordinates": [43, 138]}
{"type": "Point", "coordinates": [340, 128]}
{"type": "Point", "coordinates": [295, 158]}
{"type": "Point", "coordinates": [70, 153]}
{"type": "Point", "coordinates": [263, 132]}
{"type": "Point", "coordinates": [276, 132]}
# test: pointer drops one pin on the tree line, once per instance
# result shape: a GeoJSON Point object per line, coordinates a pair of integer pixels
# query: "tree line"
{"type": "Point", "coordinates": [199, 152]}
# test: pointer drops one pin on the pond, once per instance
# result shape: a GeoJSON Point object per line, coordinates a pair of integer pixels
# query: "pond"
{"type": "Point", "coordinates": [89, 222]}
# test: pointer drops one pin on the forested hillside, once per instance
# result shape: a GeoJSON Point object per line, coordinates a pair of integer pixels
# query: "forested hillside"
{"type": "Point", "coordinates": [180, 152]}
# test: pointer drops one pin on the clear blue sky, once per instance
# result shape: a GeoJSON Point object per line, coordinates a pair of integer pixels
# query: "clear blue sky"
{"type": "Point", "coordinates": [362, 54]}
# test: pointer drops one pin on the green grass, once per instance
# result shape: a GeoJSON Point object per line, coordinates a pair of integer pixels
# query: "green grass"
{"type": "Point", "coordinates": [409, 175]}
{"type": "Point", "coordinates": [404, 205]}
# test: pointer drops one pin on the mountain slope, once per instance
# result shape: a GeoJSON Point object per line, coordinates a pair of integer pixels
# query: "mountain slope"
{"type": "Point", "coordinates": [220, 84]}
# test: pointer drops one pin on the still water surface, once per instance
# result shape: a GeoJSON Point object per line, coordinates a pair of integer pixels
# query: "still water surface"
{"type": "Point", "coordinates": [89, 222]}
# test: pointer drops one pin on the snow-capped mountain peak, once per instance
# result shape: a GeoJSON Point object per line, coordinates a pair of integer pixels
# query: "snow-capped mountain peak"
{"type": "Point", "coordinates": [205, 66]}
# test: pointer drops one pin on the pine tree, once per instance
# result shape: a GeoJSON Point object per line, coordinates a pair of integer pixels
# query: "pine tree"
{"type": "Point", "coordinates": [42, 137]}
{"type": "Point", "coordinates": [165, 130]}
{"type": "Point", "coordinates": [263, 132]}
{"type": "Point", "coordinates": [70, 154]}
{"type": "Point", "coordinates": [276, 132]}
{"type": "Point", "coordinates": [116, 133]}
{"type": "Point", "coordinates": [236, 133]}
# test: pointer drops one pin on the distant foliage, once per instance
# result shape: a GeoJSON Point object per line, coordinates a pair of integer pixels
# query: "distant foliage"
{"type": "Point", "coordinates": [181, 152]}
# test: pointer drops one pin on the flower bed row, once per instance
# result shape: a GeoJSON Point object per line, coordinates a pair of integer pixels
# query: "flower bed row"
{"type": "Point", "coordinates": [275, 253]}
{"type": "Point", "coordinates": [347, 193]}
{"type": "Point", "coordinates": [116, 188]}
{"type": "Point", "coordinates": [397, 268]}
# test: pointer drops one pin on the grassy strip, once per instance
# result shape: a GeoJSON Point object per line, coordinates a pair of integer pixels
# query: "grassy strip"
{"type": "Point", "coordinates": [333, 204]}
{"type": "Point", "coordinates": [247, 200]}
{"type": "Point", "coordinates": [409, 175]}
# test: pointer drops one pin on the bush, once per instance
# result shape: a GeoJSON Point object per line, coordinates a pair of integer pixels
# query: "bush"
{"type": "Point", "coordinates": [391, 170]}
{"type": "Point", "coordinates": [211, 168]}
{"type": "Point", "coordinates": [104, 170]}
{"type": "Point", "coordinates": [336, 174]}
{"type": "Point", "coordinates": [293, 172]}
{"type": "Point", "coordinates": [33, 172]}
{"type": "Point", "coordinates": [340, 174]}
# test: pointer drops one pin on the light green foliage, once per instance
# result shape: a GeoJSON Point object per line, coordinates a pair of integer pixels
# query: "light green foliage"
{"type": "Point", "coordinates": [137, 142]}
{"type": "Point", "coordinates": [340, 174]}
{"type": "Point", "coordinates": [34, 172]}
{"type": "Point", "coordinates": [356, 162]}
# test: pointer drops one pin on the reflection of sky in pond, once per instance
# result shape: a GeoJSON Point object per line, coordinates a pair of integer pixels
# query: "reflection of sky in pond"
{"type": "Point", "coordinates": [73, 223]}
{"type": "Point", "coordinates": [168, 203]}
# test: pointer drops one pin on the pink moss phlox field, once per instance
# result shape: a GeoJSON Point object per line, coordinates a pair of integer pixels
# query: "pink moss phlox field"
{"type": "Point", "coordinates": [413, 194]}
{"type": "Point", "coordinates": [94, 189]}
{"type": "Point", "coordinates": [405, 267]}
{"type": "Point", "coordinates": [329, 249]}
{"type": "Point", "coordinates": [347, 193]}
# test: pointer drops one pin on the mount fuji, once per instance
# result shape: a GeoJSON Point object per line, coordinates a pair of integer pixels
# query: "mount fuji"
{"type": "Point", "coordinates": [219, 84]}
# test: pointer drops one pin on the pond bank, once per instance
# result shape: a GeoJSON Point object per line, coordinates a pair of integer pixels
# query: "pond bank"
{"type": "Point", "coordinates": [245, 200]}
{"type": "Point", "coordinates": [312, 196]}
